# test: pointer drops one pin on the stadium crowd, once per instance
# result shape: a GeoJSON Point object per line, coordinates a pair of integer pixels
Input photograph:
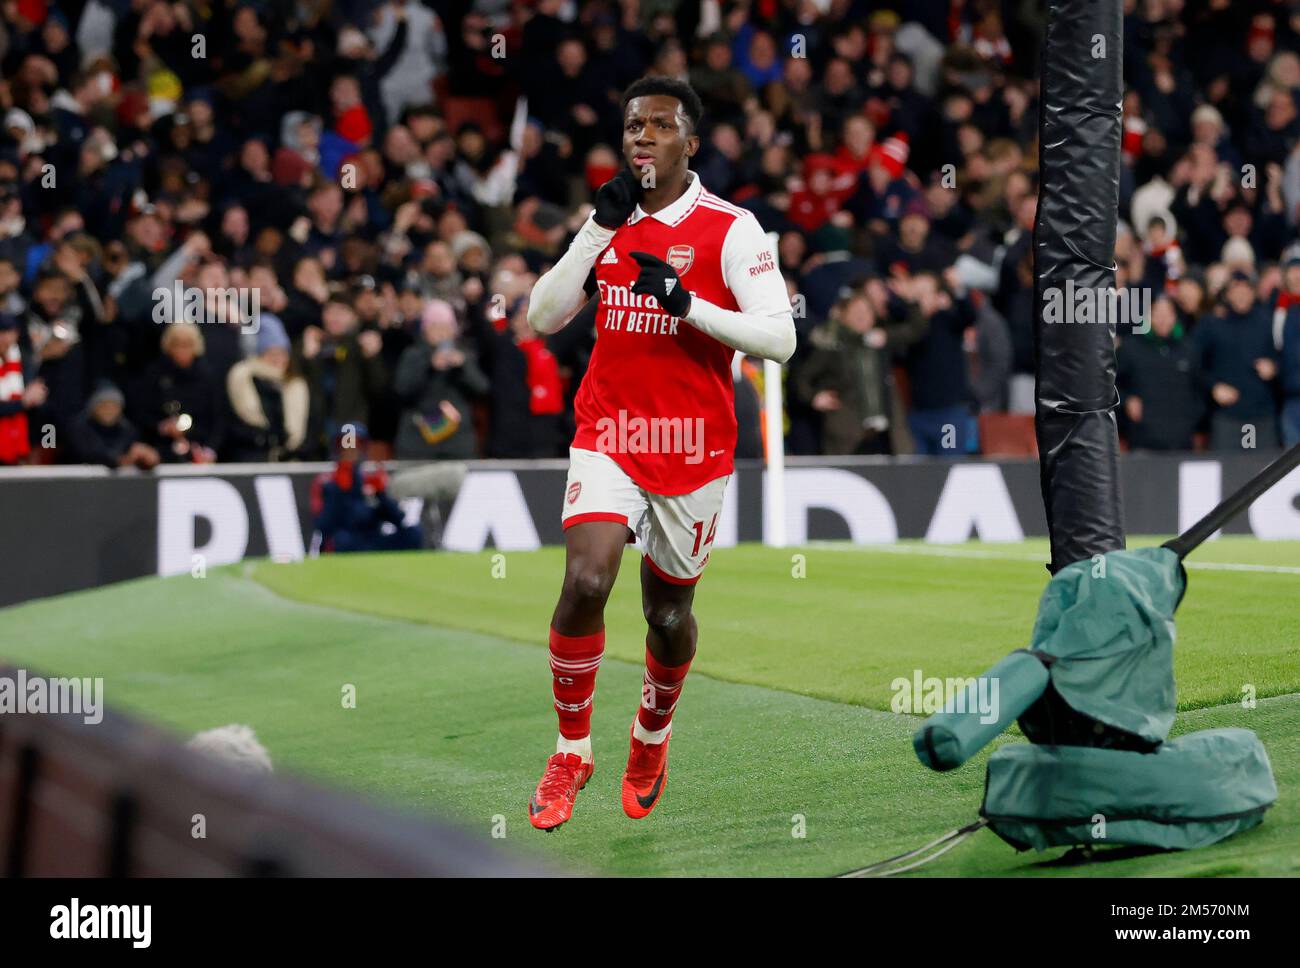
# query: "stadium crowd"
{"type": "Point", "coordinates": [377, 184]}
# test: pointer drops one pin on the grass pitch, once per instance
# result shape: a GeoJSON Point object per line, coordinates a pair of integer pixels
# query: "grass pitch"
{"type": "Point", "coordinates": [785, 759]}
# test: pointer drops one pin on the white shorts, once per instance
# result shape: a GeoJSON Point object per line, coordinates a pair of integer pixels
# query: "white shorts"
{"type": "Point", "coordinates": [676, 533]}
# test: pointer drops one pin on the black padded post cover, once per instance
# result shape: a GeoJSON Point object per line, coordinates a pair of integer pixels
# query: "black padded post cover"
{"type": "Point", "coordinates": [1074, 241]}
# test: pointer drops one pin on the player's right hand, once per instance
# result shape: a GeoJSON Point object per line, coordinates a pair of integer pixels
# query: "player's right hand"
{"type": "Point", "coordinates": [617, 199]}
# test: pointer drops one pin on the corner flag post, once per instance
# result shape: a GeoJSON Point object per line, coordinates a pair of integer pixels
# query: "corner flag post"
{"type": "Point", "coordinates": [774, 476]}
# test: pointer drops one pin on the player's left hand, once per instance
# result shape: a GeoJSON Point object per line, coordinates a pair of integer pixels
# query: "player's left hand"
{"type": "Point", "coordinates": [660, 280]}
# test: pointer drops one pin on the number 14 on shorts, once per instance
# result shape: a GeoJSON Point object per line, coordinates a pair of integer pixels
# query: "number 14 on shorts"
{"type": "Point", "coordinates": [701, 539]}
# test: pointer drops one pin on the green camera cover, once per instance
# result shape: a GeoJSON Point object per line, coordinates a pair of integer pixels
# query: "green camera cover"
{"type": "Point", "coordinates": [1190, 792]}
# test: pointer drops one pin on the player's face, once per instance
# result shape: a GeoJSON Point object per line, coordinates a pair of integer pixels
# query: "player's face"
{"type": "Point", "coordinates": [656, 132]}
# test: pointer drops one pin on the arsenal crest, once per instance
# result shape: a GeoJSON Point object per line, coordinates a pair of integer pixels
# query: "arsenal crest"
{"type": "Point", "coordinates": [681, 257]}
{"type": "Point", "coordinates": [574, 490]}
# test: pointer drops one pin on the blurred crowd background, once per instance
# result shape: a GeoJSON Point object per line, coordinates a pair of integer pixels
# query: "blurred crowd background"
{"type": "Point", "coordinates": [388, 179]}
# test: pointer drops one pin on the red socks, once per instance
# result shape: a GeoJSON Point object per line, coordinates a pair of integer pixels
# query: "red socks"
{"type": "Point", "coordinates": [659, 693]}
{"type": "Point", "coordinates": [574, 661]}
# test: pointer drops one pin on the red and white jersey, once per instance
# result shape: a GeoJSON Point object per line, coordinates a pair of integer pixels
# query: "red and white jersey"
{"type": "Point", "coordinates": [658, 393]}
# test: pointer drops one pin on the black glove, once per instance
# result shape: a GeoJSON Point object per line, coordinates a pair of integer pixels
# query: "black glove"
{"type": "Point", "coordinates": [617, 199]}
{"type": "Point", "coordinates": [659, 279]}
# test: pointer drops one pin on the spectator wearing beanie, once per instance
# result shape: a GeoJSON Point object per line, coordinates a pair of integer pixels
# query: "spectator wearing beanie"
{"type": "Point", "coordinates": [1209, 128]}
{"type": "Point", "coordinates": [269, 401]}
{"type": "Point", "coordinates": [299, 152]}
{"type": "Point", "coordinates": [353, 510]}
{"type": "Point", "coordinates": [102, 435]}
{"type": "Point", "coordinates": [884, 190]}
{"type": "Point", "coordinates": [915, 249]}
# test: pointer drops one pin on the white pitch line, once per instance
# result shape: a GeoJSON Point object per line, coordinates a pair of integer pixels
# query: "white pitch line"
{"type": "Point", "coordinates": [941, 551]}
{"type": "Point", "coordinates": [1234, 566]}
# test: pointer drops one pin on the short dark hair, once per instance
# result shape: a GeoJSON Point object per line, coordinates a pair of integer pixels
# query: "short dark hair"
{"type": "Point", "coordinates": [669, 87]}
